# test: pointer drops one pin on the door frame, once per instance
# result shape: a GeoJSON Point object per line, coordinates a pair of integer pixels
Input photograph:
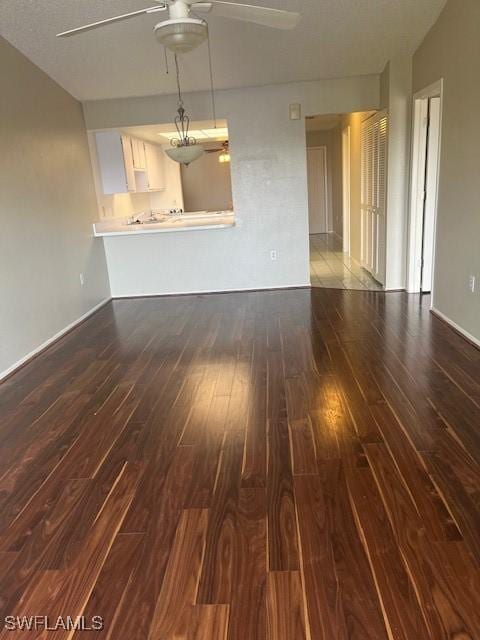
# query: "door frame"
{"type": "Point", "coordinates": [325, 177]}
{"type": "Point", "coordinates": [417, 185]}
{"type": "Point", "coordinates": [346, 157]}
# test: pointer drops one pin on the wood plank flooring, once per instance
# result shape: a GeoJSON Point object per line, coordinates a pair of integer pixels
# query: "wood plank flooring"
{"type": "Point", "coordinates": [284, 465]}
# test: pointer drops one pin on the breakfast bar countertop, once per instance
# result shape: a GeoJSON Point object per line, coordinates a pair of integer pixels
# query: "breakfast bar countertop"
{"type": "Point", "coordinates": [198, 221]}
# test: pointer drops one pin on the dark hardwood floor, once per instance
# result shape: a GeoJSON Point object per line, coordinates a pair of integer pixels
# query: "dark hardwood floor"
{"type": "Point", "coordinates": [281, 465]}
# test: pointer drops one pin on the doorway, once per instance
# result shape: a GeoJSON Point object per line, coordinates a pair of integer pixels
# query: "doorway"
{"type": "Point", "coordinates": [317, 189]}
{"type": "Point", "coordinates": [337, 165]}
{"type": "Point", "coordinates": [427, 115]}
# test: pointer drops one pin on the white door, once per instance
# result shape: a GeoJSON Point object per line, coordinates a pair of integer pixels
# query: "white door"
{"type": "Point", "coordinates": [430, 203]}
{"type": "Point", "coordinates": [373, 195]}
{"type": "Point", "coordinates": [317, 189]}
{"type": "Point", "coordinates": [346, 189]}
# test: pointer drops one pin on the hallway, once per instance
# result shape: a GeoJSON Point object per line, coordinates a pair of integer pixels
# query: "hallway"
{"type": "Point", "coordinates": [330, 268]}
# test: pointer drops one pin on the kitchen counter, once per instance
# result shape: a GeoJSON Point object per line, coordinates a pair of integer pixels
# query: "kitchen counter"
{"type": "Point", "coordinates": [197, 221]}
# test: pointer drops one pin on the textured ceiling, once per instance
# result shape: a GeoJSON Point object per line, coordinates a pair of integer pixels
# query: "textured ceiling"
{"type": "Point", "coordinates": [335, 38]}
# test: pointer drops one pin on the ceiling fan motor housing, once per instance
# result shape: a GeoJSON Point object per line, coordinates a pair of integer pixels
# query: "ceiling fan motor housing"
{"type": "Point", "coordinates": [181, 35]}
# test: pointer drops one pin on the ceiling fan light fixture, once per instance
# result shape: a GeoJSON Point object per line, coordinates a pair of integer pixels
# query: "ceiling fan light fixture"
{"type": "Point", "coordinates": [224, 157]}
{"type": "Point", "coordinates": [225, 154]}
{"type": "Point", "coordinates": [181, 35]}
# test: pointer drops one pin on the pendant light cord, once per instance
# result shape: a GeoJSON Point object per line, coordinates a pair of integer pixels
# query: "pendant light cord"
{"type": "Point", "coordinates": [212, 88]}
{"type": "Point", "coordinates": [177, 72]}
{"type": "Point", "coordinates": [167, 71]}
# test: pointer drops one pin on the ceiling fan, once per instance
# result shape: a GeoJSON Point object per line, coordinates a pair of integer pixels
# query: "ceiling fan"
{"type": "Point", "coordinates": [224, 152]}
{"type": "Point", "coordinates": [182, 33]}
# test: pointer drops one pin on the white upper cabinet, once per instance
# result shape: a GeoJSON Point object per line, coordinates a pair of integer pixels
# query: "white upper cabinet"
{"type": "Point", "coordinates": [155, 167]}
{"type": "Point", "coordinates": [129, 165]}
{"type": "Point", "coordinates": [138, 150]}
{"type": "Point", "coordinates": [115, 159]}
{"type": "Point", "coordinates": [128, 162]}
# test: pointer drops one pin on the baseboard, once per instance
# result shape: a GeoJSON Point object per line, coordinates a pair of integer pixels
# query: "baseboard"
{"type": "Point", "coordinates": [456, 327]}
{"type": "Point", "coordinates": [48, 343]}
{"type": "Point", "coordinates": [207, 291]}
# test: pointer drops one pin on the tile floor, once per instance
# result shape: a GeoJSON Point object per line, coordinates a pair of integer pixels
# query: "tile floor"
{"type": "Point", "coordinates": [332, 269]}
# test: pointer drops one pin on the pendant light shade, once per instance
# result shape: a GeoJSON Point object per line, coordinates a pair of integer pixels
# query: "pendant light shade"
{"type": "Point", "coordinates": [185, 155]}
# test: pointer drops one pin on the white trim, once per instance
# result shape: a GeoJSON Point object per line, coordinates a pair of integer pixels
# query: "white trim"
{"type": "Point", "coordinates": [346, 189]}
{"type": "Point", "coordinates": [305, 285]}
{"type": "Point", "coordinates": [455, 326]}
{"type": "Point", "coordinates": [328, 196]}
{"type": "Point", "coordinates": [414, 257]}
{"type": "Point", "coordinates": [47, 343]}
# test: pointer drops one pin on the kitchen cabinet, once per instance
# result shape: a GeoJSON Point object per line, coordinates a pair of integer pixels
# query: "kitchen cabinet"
{"type": "Point", "coordinates": [138, 151]}
{"type": "Point", "coordinates": [115, 158]}
{"type": "Point", "coordinates": [155, 167]}
{"type": "Point", "coordinates": [120, 158]}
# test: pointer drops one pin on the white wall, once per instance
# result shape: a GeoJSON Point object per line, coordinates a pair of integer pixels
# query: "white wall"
{"type": "Point", "coordinates": [47, 205]}
{"type": "Point", "coordinates": [269, 188]}
{"type": "Point", "coordinates": [452, 51]}
{"type": "Point", "coordinates": [172, 196]}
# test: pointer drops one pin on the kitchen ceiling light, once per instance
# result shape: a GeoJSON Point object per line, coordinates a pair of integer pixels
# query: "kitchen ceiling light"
{"type": "Point", "coordinates": [181, 35]}
{"type": "Point", "coordinates": [220, 133]}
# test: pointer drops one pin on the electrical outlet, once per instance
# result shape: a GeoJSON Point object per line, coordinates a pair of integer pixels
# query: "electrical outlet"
{"type": "Point", "coordinates": [472, 283]}
{"type": "Point", "coordinates": [82, 279]}
{"type": "Point", "coordinates": [273, 255]}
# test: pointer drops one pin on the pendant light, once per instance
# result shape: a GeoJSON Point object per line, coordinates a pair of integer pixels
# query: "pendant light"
{"type": "Point", "coordinates": [185, 148]}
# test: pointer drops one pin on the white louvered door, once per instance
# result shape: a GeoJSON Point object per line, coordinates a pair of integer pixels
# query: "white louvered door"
{"type": "Point", "coordinates": [373, 194]}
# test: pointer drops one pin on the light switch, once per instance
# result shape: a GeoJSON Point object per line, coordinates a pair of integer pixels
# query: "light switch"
{"type": "Point", "coordinates": [295, 111]}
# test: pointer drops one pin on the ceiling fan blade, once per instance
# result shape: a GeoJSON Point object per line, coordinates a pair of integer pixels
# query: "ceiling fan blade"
{"type": "Point", "coordinates": [266, 16]}
{"type": "Point", "coordinates": [102, 23]}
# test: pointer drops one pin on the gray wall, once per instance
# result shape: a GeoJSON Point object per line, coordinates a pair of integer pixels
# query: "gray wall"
{"type": "Point", "coordinates": [451, 51]}
{"type": "Point", "coordinates": [47, 204]}
{"type": "Point", "coordinates": [269, 186]}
